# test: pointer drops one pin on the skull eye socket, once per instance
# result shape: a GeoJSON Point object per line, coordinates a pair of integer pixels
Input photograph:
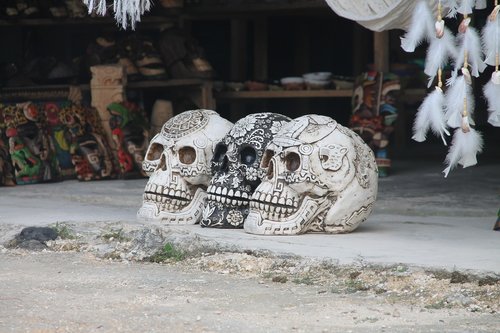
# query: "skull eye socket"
{"type": "Point", "coordinates": [154, 152]}
{"type": "Point", "coordinates": [220, 152]}
{"type": "Point", "coordinates": [248, 155]}
{"type": "Point", "coordinates": [292, 161]}
{"type": "Point", "coordinates": [268, 154]}
{"type": "Point", "coordinates": [187, 155]}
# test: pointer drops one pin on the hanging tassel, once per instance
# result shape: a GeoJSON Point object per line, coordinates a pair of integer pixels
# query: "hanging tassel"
{"type": "Point", "coordinates": [421, 27]}
{"type": "Point", "coordinates": [440, 51]}
{"type": "Point", "coordinates": [464, 148]}
{"type": "Point", "coordinates": [126, 12]}
{"type": "Point", "coordinates": [492, 93]}
{"type": "Point", "coordinates": [470, 43]}
{"type": "Point", "coordinates": [431, 115]}
{"type": "Point", "coordinates": [458, 96]}
{"type": "Point", "coordinates": [101, 8]}
{"type": "Point", "coordinates": [90, 4]}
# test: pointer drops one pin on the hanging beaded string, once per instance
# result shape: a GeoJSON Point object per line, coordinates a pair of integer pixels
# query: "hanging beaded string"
{"type": "Point", "coordinates": [465, 71]}
{"type": "Point", "coordinates": [440, 69]}
{"type": "Point", "coordinates": [494, 17]}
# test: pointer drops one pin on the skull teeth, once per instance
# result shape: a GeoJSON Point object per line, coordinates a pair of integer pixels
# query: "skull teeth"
{"type": "Point", "coordinates": [170, 198]}
{"type": "Point", "coordinates": [227, 196]}
{"type": "Point", "coordinates": [274, 205]}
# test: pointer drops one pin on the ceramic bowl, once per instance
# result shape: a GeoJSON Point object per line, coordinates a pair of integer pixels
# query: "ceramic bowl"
{"type": "Point", "coordinates": [318, 76]}
{"type": "Point", "coordinates": [292, 83]}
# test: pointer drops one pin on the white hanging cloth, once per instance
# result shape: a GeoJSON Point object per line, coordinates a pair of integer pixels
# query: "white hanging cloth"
{"type": "Point", "coordinates": [380, 15]}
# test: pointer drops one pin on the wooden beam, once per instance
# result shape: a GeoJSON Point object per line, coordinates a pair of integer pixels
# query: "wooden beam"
{"type": "Point", "coordinates": [238, 49]}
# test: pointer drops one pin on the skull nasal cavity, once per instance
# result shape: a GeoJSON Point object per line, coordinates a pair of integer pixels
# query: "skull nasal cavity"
{"type": "Point", "coordinates": [292, 161]}
{"type": "Point", "coordinates": [220, 152]}
{"type": "Point", "coordinates": [163, 164]}
{"type": "Point", "coordinates": [266, 158]}
{"type": "Point", "coordinates": [270, 170]}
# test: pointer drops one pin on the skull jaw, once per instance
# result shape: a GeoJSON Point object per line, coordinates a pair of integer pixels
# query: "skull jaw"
{"type": "Point", "coordinates": [191, 214]}
{"type": "Point", "coordinates": [295, 224]}
{"type": "Point", "coordinates": [224, 218]}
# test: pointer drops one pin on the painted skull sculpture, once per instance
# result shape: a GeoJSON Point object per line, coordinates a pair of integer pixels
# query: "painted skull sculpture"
{"type": "Point", "coordinates": [321, 177]}
{"type": "Point", "coordinates": [236, 168]}
{"type": "Point", "coordinates": [178, 163]}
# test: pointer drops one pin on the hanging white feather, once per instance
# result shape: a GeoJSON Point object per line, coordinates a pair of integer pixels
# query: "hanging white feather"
{"type": "Point", "coordinates": [90, 4]}
{"type": "Point", "coordinates": [490, 37]}
{"type": "Point", "coordinates": [430, 115]}
{"type": "Point", "coordinates": [126, 12]}
{"type": "Point", "coordinates": [470, 42]}
{"type": "Point", "coordinates": [101, 8]}
{"type": "Point", "coordinates": [421, 27]}
{"type": "Point", "coordinates": [466, 6]}
{"type": "Point", "coordinates": [439, 52]}
{"type": "Point", "coordinates": [492, 93]}
{"type": "Point", "coordinates": [451, 6]}
{"type": "Point", "coordinates": [464, 149]}
{"type": "Point", "coordinates": [457, 96]}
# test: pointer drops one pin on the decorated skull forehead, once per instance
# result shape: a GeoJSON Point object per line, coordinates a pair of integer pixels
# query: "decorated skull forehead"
{"type": "Point", "coordinates": [236, 167]}
{"type": "Point", "coordinates": [178, 165]}
{"type": "Point", "coordinates": [321, 177]}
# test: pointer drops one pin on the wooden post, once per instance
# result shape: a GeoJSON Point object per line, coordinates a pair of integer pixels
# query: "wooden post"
{"type": "Point", "coordinates": [107, 86]}
{"type": "Point", "coordinates": [381, 51]}
{"type": "Point", "coordinates": [260, 49]}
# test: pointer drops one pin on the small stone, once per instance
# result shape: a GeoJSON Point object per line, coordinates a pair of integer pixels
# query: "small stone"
{"type": "Point", "coordinates": [32, 245]}
{"type": "Point", "coordinates": [41, 234]}
{"type": "Point", "coordinates": [198, 318]}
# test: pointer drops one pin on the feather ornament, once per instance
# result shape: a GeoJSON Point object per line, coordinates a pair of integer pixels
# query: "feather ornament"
{"type": "Point", "coordinates": [126, 12]}
{"type": "Point", "coordinates": [421, 27]}
{"type": "Point", "coordinates": [466, 6]}
{"type": "Point", "coordinates": [439, 52]}
{"type": "Point", "coordinates": [457, 96]}
{"type": "Point", "coordinates": [430, 116]}
{"type": "Point", "coordinates": [490, 37]}
{"type": "Point", "coordinates": [451, 6]}
{"type": "Point", "coordinates": [464, 149]}
{"type": "Point", "coordinates": [470, 42]}
{"type": "Point", "coordinates": [492, 93]}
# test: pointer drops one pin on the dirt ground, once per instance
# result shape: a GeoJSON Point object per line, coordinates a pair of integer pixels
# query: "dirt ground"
{"type": "Point", "coordinates": [226, 292]}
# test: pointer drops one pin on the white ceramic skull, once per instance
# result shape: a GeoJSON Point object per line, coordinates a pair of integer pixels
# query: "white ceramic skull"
{"type": "Point", "coordinates": [236, 168]}
{"type": "Point", "coordinates": [178, 163]}
{"type": "Point", "coordinates": [321, 177]}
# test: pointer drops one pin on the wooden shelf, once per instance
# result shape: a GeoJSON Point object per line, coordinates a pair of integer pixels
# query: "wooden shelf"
{"type": "Point", "coordinates": [47, 22]}
{"type": "Point", "coordinates": [166, 83]}
{"type": "Point", "coordinates": [331, 93]}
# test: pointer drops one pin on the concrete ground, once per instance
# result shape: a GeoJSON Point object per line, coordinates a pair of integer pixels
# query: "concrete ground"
{"type": "Point", "coordinates": [420, 218]}
{"type": "Point", "coordinates": [426, 260]}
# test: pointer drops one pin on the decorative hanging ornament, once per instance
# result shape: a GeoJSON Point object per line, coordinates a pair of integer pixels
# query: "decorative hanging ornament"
{"type": "Point", "coordinates": [430, 115]}
{"type": "Point", "coordinates": [467, 142]}
{"type": "Point", "coordinates": [464, 148]}
{"type": "Point", "coordinates": [126, 12]}
{"type": "Point", "coordinates": [421, 27]}
{"type": "Point", "coordinates": [459, 97]}
{"type": "Point", "coordinates": [491, 43]}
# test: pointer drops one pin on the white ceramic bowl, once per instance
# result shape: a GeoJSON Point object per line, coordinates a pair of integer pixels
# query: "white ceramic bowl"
{"type": "Point", "coordinates": [318, 76]}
